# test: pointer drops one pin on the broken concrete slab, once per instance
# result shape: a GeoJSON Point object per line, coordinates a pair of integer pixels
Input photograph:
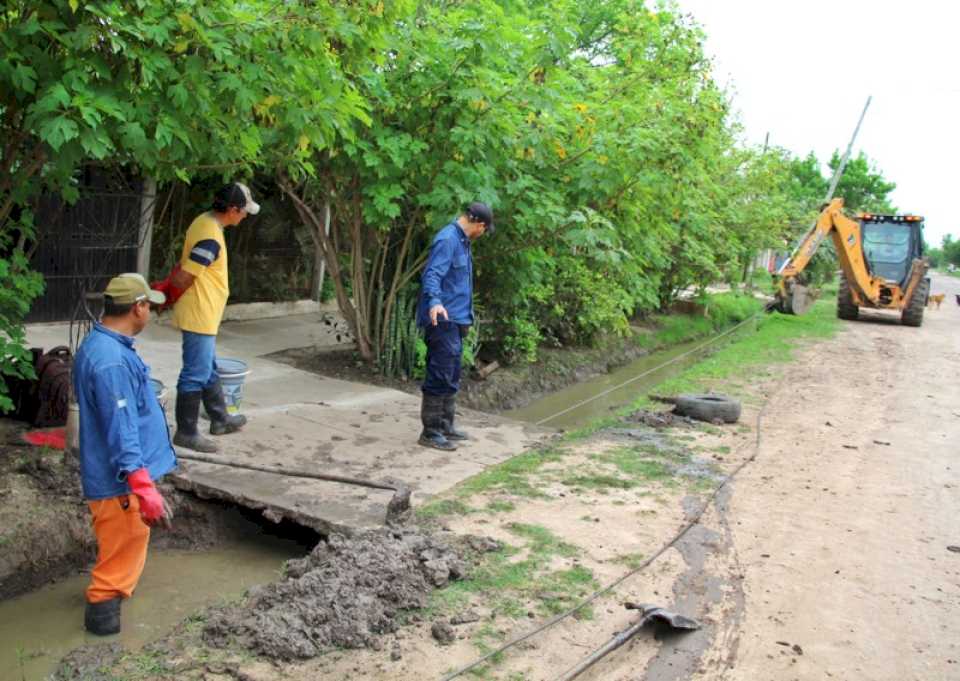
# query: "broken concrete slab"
{"type": "Point", "coordinates": [374, 443]}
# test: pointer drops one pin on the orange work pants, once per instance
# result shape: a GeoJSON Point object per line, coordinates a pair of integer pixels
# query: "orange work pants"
{"type": "Point", "coordinates": [122, 539]}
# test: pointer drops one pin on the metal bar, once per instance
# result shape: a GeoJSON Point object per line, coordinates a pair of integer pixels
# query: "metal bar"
{"type": "Point", "coordinates": [616, 642]}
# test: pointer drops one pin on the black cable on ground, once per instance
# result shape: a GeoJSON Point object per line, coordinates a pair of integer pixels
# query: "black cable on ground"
{"type": "Point", "coordinates": [646, 563]}
{"type": "Point", "coordinates": [607, 648]}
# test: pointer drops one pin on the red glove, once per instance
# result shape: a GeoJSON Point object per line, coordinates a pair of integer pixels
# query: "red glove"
{"type": "Point", "coordinates": [152, 506]}
{"type": "Point", "coordinates": [168, 289]}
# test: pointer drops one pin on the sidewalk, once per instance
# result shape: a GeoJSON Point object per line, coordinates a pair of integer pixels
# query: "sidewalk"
{"type": "Point", "coordinates": [303, 421]}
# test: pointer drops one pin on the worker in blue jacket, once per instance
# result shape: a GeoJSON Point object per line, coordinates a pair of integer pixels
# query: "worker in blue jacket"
{"type": "Point", "coordinates": [124, 447]}
{"type": "Point", "coordinates": [445, 313]}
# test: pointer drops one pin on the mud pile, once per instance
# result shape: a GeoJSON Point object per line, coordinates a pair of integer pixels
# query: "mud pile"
{"type": "Point", "coordinates": [659, 419]}
{"type": "Point", "coordinates": [344, 594]}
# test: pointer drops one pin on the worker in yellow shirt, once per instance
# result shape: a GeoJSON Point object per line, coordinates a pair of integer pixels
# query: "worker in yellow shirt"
{"type": "Point", "coordinates": [203, 277]}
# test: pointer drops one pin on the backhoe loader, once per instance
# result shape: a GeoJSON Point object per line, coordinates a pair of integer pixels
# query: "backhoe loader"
{"type": "Point", "coordinates": [882, 261]}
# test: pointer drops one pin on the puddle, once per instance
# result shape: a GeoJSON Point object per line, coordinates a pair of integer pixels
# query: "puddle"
{"type": "Point", "coordinates": [38, 628]}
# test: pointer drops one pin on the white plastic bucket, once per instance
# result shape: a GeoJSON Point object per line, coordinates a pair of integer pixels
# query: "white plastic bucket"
{"type": "Point", "coordinates": [232, 373]}
{"type": "Point", "coordinates": [160, 390]}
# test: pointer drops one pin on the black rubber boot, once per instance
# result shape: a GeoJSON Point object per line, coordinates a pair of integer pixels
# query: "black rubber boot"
{"type": "Point", "coordinates": [188, 412]}
{"type": "Point", "coordinates": [449, 415]}
{"type": "Point", "coordinates": [103, 619]}
{"type": "Point", "coordinates": [431, 414]}
{"type": "Point", "coordinates": [221, 420]}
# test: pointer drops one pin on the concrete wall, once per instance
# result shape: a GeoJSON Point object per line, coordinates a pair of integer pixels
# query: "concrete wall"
{"type": "Point", "coordinates": [241, 312]}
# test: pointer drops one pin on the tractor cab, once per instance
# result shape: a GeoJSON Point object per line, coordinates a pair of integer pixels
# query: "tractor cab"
{"type": "Point", "coordinates": [890, 244]}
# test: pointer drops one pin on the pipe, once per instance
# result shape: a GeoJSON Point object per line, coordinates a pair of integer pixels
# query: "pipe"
{"type": "Point", "coordinates": [398, 504]}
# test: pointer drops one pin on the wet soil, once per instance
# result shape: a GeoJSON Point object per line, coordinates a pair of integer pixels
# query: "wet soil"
{"type": "Point", "coordinates": [45, 531]}
{"type": "Point", "coordinates": [44, 523]}
{"type": "Point", "coordinates": [349, 593]}
{"type": "Point", "coordinates": [506, 388]}
{"type": "Point", "coordinates": [345, 594]}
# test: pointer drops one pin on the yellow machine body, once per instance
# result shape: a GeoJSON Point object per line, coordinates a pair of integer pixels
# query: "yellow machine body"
{"type": "Point", "coordinates": [863, 288]}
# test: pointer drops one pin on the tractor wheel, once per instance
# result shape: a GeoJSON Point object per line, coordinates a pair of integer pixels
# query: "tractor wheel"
{"type": "Point", "coordinates": [912, 314]}
{"type": "Point", "coordinates": [846, 308]}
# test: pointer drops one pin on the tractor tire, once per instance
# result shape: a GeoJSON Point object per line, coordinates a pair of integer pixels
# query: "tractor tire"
{"type": "Point", "coordinates": [846, 308]}
{"type": "Point", "coordinates": [912, 314]}
{"type": "Point", "coordinates": [708, 408]}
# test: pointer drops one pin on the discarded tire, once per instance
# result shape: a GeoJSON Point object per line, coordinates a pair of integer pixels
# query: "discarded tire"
{"type": "Point", "coordinates": [708, 407]}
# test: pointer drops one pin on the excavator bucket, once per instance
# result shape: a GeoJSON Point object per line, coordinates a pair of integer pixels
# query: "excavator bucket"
{"type": "Point", "coordinates": [795, 299]}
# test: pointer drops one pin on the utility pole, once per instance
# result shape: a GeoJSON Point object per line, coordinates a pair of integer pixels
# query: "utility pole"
{"type": "Point", "coordinates": [838, 173]}
{"type": "Point", "coordinates": [846, 156]}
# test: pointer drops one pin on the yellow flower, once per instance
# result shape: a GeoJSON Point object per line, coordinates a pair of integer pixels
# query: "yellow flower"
{"type": "Point", "coordinates": [582, 108]}
{"type": "Point", "coordinates": [561, 152]}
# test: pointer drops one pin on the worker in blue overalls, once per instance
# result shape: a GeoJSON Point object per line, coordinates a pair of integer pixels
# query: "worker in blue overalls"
{"type": "Point", "coordinates": [445, 313]}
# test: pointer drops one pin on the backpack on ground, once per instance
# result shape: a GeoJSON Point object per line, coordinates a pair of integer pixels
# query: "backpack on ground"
{"type": "Point", "coordinates": [53, 387]}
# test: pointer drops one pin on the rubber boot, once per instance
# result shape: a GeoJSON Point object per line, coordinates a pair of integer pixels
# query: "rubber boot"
{"type": "Point", "coordinates": [431, 414]}
{"type": "Point", "coordinates": [188, 412]}
{"type": "Point", "coordinates": [449, 415]}
{"type": "Point", "coordinates": [221, 420]}
{"type": "Point", "coordinates": [103, 619]}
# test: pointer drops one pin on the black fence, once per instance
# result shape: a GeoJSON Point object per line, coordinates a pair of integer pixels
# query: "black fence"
{"type": "Point", "coordinates": [82, 245]}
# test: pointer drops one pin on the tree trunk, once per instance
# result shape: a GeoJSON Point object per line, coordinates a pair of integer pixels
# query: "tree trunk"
{"type": "Point", "coordinates": [322, 240]}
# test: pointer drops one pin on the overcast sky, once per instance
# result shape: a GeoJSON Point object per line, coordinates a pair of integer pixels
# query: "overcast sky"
{"type": "Point", "coordinates": [803, 70]}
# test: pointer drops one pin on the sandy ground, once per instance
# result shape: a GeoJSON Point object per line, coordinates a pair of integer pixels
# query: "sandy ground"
{"type": "Point", "coordinates": [842, 524]}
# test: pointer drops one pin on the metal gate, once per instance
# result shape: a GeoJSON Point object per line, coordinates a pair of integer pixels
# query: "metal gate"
{"type": "Point", "coordinates": [82, 245]}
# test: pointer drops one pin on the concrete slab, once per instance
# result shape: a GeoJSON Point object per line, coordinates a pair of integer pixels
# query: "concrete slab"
{"type": "Point", "coordinates": [377, 442]}
{"type": "Point", "coordinates": [302, 421]}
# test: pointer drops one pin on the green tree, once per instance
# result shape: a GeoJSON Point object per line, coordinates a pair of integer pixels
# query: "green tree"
{"type": "Point", "coordinates": [863, 187]}
{"type": "Point", "coordinates": [951, 250]}
{"type": "Point", "coordinates": [169, 89]}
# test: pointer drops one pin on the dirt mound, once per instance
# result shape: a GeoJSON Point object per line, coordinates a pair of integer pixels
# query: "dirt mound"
{"type": "Point", "coordinates": [345, 593]}
{"type": "Point", "coordinates": [659, 419]}
{"type": "Point", "coordinates": [89, 663]}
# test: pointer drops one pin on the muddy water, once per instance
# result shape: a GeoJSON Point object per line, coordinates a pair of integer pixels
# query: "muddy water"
{"type": "Point", "coordinates": [38, 628]}
{"type": "Point", "coordinates": [565, 409]}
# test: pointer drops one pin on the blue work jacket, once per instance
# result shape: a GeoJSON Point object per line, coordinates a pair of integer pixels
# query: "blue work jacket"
{"type": "Point", "coordinates": [122, 426]}
{"type": "Point", "coordinates": [448, 277]}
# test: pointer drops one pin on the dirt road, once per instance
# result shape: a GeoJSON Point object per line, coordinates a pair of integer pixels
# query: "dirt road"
{"type": "Point", "coordinates": [841, 525]}
{"type": "Point", "coordinates": [835, 539]}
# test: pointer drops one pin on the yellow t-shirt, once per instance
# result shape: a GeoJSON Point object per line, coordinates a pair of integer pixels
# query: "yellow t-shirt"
{"type": "Point", "coordinates": [200, 308]}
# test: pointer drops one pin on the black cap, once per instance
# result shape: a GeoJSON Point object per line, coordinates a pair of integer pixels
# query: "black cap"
{"type": "Point", "coordinates": [480, 212]}
{"type": "Point", "coordinates": [235, 195]}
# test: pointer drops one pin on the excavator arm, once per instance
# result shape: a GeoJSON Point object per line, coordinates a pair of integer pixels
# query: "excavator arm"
{"type": "Point", "coordinates": [793, 297]}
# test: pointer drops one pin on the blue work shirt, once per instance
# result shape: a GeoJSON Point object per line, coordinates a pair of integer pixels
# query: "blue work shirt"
{"type": "Point", "coordinates": [122, 426]}
{"type": "Point", "coordinates": [448, 277]}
